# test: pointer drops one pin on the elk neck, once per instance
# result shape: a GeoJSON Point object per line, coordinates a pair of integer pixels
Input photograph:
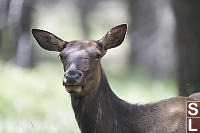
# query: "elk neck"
{"type": "Point", "coordinates": [102, 107]}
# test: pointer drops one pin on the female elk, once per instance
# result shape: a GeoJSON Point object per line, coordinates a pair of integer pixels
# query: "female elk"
{"type": "Point", "coordinates": [97, 109]}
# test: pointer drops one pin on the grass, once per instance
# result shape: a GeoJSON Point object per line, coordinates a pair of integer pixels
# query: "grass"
{"type": "Point", "coordinates": [34, 101]}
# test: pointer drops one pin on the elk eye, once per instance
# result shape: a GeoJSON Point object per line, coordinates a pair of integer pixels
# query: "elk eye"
{"type": "Point", "coordinates": [98, 56]}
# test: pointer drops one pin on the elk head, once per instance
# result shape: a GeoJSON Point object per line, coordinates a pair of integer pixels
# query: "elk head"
{"type": "Point", "coordinates": [81, 59]}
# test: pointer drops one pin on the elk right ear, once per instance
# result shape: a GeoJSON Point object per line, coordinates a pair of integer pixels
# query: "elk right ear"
{"type": "Point", "coordinates": [48, 40]}
{"type": "Point", "coordinates": [114, 37]}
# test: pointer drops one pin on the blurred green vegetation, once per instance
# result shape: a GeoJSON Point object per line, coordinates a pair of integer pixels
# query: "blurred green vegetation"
{"type": "Point", "coordinates": [34, 101]}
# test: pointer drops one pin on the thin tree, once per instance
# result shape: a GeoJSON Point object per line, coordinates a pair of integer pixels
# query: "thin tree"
{"type": "Point", "coordinates": [187, 13]}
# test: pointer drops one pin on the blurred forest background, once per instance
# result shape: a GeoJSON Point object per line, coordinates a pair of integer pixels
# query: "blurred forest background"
{"type": "Point", "coordinates": [158, 59]}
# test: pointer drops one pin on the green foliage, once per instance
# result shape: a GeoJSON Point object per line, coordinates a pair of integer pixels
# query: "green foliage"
{"type": "Point", "coordinates": [34, 101]}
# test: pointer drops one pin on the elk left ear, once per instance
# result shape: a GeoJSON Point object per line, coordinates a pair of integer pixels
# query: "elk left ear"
{"type": "Point", "coordinates": [114, 37]}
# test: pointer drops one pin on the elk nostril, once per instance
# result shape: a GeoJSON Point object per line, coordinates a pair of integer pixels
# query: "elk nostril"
{"type": "Point", "coordinates": [65, 75]}
{"type": "Point", "coordinates": [80, 74]}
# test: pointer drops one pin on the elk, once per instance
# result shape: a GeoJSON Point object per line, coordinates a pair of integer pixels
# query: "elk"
{"type": "Point", "coordinates": [97, 109]}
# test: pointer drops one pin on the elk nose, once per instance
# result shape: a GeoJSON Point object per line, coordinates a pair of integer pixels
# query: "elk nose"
{"type": "Point", "coordinates": [73, 77]}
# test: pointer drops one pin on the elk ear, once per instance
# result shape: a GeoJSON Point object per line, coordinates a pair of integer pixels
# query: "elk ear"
{"type": "Point", "coordinates": [48, 40]}
{"type": "Point", "coordinates": [114, 37]}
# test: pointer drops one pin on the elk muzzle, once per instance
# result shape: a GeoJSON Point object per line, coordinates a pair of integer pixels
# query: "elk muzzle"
{"type": "Point", "coordinates": [73, 81]}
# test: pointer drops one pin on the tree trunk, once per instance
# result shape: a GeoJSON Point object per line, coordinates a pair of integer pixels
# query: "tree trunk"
{"type": "Point", "coordinates": [5, 41]}
{"type": "Point", "coordinates": [85, 8]}
{"type": "Point", "coordinates": [187, 13]}
{"type": "Point", "coordinates": [151, 33]}
{"type": "Point", "coordinates": [20, 18]}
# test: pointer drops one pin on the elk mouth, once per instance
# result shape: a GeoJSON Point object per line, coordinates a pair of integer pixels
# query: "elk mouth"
{"type": "Point", "coordinates": [73, 88]}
